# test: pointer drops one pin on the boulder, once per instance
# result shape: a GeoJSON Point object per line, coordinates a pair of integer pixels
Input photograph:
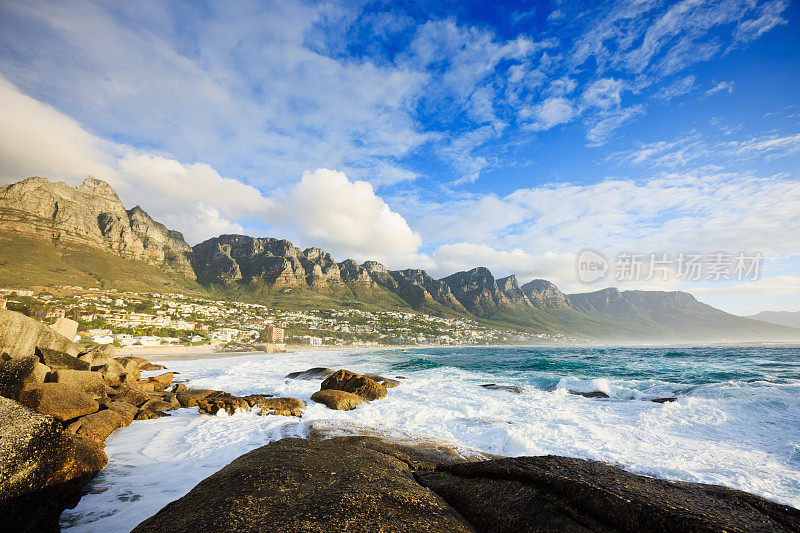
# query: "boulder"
{"type": "Point", "coordinates": [98, 354]}
{"type": "Point", "coordinates": [302, 485]}
{"type": "Point", "coordinates": [151, 366]}
{"type": "Point", "coordinates": [338, 399]}
{"type": "Point", "coordinates": [134, 396]}
{"type": "Point", "coordinates": [131, 363]}
{"type": "Point", "coordinates": [34, 451]}
{"type": "Point", "coordinates": [179, 387]}
{"type": "Point", "coordinates": [155, 404]}
{"type": "Point", "coordinates": [16, 374]}
{"type": "Point", "coordinates": [126, 410]}
{"type": "Point", "coordinates": [507, 388]}
{"type": "Point", "coordinates": [318, 372]}
{"type": "Point", "coordinates": [386, 382]}
{"type": "Point", "coordinates": [89, 382]}
{"type": "Point", "coordinates": [355, 383]}
{"type": "Point", "coordinates": [146, 385]}
{"type": "Point", "coordinates": [216, 401]}
{"type": "Point", "coordinates": [276, 406]}
{"type": "Point", "coordinates": [33, 448]}
{"type": "Point", "coordinates": [593, 394]}
{"type": "Point", "coordinates": [664, 400]}
{"type": "Point", "coordinates": [190, 397]}
{"type": "Point", "coordinates": [97, 426]}
{"type": "Point", "coordinates": [115, 375]}
{"type": "Point", "coordinates": [553, 493]}
{"type": "Point", "coordinates": [163, 380]}
{"type": "Point", "coordinates": [21, 335]}
{"type": "Point", "coordinates": [40, 373]}
{"type": "Point", "coordinates": [66, 327]}
{"type": "Point", "coordinates": [59, 400]}
{"type": "Point", "coordinates": [57, 360]}
{"type": "Point", "coordinates": [147, 414]}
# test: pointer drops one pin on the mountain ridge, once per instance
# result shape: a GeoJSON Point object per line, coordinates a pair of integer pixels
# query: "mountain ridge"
{"type": "Point", "coordinates": [92, 217]}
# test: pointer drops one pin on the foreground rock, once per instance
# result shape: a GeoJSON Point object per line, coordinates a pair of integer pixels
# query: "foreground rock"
{"type": "Point", "coordinates": [42, 469]}
{"type": "Point", "coordinates": [372, 484]}
{"type": "Point", "coordinates": [553, 493]}
{"type": "Point", "coordinates": [338, 399]}
{"type": "Point", "coordinates": [355, 383]}
{"type": "Point", "coordinates": [302, 485]}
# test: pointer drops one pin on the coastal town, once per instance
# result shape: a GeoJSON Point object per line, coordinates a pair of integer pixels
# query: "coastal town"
{"type": "Point", "coordinates": [108, 316]}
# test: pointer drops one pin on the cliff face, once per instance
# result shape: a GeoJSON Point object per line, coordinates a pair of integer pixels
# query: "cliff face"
{"type": "Point", "coordinates": [478, 291]}
{"type": "Point", "coordinates": [545, 295]}
{"type": "Point", "coordinates": [90, 215]}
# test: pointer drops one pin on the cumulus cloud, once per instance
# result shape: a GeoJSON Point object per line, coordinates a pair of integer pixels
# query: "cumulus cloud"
{"type": "Point", "coordinates": [348, 218]}
{"type": "Point", "coordinates": [459, 256]}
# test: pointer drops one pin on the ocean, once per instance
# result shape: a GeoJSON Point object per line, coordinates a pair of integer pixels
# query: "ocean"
{"type": "Point", "coordinates": [735, 421]}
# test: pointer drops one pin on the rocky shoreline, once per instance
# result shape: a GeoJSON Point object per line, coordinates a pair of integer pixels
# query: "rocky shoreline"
{"type": "Point", "coordinates": [61, 401]}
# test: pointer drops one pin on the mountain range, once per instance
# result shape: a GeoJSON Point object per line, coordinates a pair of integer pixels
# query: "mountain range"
{"type": "Point", "coordinates": [51, 233]}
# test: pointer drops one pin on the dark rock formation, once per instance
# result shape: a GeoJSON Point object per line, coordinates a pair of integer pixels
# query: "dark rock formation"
{"type": "Point", "coordinates": [592, 394]}
{"type": "Point", "coordinates": [317, 372]}
{"type": "Point", "coordinates": [563, 494]}
{"type": "Point", "coordinates": [507, 388]}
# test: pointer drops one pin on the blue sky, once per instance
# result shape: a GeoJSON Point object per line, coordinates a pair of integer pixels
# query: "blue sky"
{"type": "Point", "coordinates": [512, 135]}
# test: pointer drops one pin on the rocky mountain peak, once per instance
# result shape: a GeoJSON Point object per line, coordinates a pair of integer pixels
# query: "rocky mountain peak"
{"type": "Point", "coordinates": [545, 295]}
{"type": "Point", "coordinates": [89, 215]}
{"type": "Point", "coordinates": [94, 187]}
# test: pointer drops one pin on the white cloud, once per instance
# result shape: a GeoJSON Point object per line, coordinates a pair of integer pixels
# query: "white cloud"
{"type": "Point", "coordinates": [610, 121]}
{"type": "Point", "coordinates": [769, 16]}
{"type": "Point", "coordinates": [556, 15]}
{"type": "Point", "coordinates": [685, 150]}
{"type": "Point", "coordinates": [766, 286]}
{"type": "Point", "coordinates": [677, 88]}
{"type": "Point", "coordinates": [604, 93]}
{"type": "Point", "coordinates": [721, 86]}
{"type": "Point", "coordinates": [348, 219]}
{"type": "Point", "coordinates": [552, 112]}
{"type": "Point", "coordinates": [460, 256]}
